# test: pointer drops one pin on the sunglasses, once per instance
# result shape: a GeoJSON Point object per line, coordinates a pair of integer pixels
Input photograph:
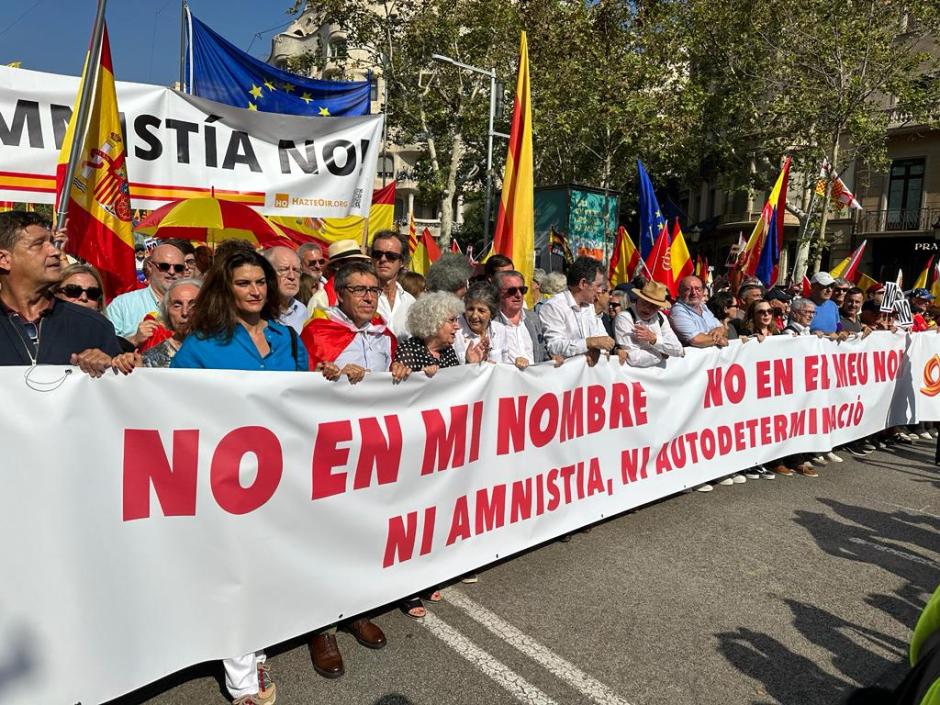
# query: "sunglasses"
{"type": "Point", "coordinates": [390, 256]}
{"type": "Point", "coordinates": [513, 290]}
{"type": "Point", "coordinates": [311, 262]}
{"type": "Point", "coordinates": [166, 267]}
{"type": "Point", "coordinates": [762, 310]}
{"type": "Point", "coordinates": [74, 291]}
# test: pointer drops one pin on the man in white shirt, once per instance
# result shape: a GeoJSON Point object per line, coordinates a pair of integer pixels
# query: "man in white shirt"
{"type": "Point", "coordinates": [287, 266]}
{"type": "Point", "coordinates": [312, 262]}
{"type": "Point", "coordinates": [525, 344]}
{"type": "Point", "coordinates": [569, 323]}
{"type": "Point", "coordinates": [388, 257]}
{"type": "Point", "coordinates": [644, 332]}
{"type": "Point", "coordinates": [164, 266]}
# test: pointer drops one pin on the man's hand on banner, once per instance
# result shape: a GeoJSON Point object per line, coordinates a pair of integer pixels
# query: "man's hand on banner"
{"type": "Point", "coordinates": [93, 362]}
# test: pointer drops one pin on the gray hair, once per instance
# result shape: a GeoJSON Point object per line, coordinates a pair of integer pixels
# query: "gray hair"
{"type": "Point", "coordinates": [619, 295]}
{"type": "Point", "coordinates": [500, 277]}
{"type": "Point", "coordinates": [486, 294]}
{"type": "Point", "coordinates": [164, 314]}
{"type": "Point", "coordinates": [269, 252]}
{"type": "Point", "coordinates": [308, 247]}
{"type": "Point", "coordinates": [555, 283]}
{"type": "Point", "coordinates": [449, 273]}
{"type": "Point", "coordinates": [538, 275]}
{"type": "Point", "coordinates": [431, 311]}
{"type": "Point", "coordinates": [799, 303]}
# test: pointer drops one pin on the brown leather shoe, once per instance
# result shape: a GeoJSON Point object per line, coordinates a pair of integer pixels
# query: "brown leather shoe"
{"type": "Point", "coordinates": [782, 469]}
{"type": "Point", "coordinates": [806, 470]}
{"type": "Point", "coordinates": [366, 633]}
{"type": "Point", "coordinates": [324, 652]}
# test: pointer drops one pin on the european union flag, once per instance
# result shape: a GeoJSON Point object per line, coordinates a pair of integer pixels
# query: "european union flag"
{"type": "Point", "coordinates": [220, 71]}
{"type": "Point", "coordinates": [651, 216]}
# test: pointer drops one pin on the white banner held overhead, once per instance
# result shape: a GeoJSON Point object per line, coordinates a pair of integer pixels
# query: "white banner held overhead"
{"type": "Point", "coordinates": [176, 516]}
{"type": "Point", "coordinates": [180, 146]}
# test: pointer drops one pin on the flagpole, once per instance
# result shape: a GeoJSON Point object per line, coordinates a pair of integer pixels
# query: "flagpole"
{"type": "Point", "coordinates": [802, 248]}
{"type": "Point", "coordinates": [184, 8]}
{"type": "Point", "coordinates": [89, 84]}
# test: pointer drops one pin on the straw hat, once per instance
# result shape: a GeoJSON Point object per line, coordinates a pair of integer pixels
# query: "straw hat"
{"type": "Point", "coordinates": [654, 293]}
{"type": "Point", "coordinates": [346, 250]}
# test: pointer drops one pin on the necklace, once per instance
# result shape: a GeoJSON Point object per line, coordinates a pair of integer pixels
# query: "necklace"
{"type": "Point", "coordinates": [31, 352]}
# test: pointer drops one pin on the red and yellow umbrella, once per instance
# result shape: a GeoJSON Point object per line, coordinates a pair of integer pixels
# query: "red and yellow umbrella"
{"type": "Point", "coordinates": [212, 220]}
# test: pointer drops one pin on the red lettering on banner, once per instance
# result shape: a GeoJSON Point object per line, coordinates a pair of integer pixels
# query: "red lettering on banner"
{"type": "Point", "coordinates": [595, 408]}
{"type": "Point", "coordinates": [226, 469]}
{"type": "Point", "coordinates": [475, 431]}
{"type": "Point", "coordinates": [677, 453]}
{"type": "Point", "coordinates": [551, 485]}
{"type": "Point", "coordinates": [572, 414]}
{"type": "Point", "coordinates": [427, 536]}
{"type": "Point", "coordinates": [816, 371]}
{"type": "Point", "coordinates": [595, 481]}
{"type": "Point", "coordinates": [797, 423]}
{"type": "Point", "coordinates": [490, 509]}
{"type": "Point", "coordinates": [146, 463]}
{"type": "Point", "coordinates": [886, 364]}
{"type": "Point", "coordinates": [444, 447]}
{"type": "Point", "coordinates": [511, 426]}
{"type": "Point", "coordinates": [459, 522]}
{"type": "Point", "coordinates": [627, 409]}
{"type": "Point", "coordinates": [662, 460]}
{"type": "Point", "coordinates": [765, 437]}
{"type": "Point", "coordinates": [723, 383]}
{"type": "Point", "coordinates": [328, 455]}
{"type": "Point", "coordinates": [780, 428]}
{"type": "Point", "coordinates": [566, 472]}
{"type": "Point", "coordinates": [545, 408]}
{"type": "Point", "coordinates": [521, 506]}
{"type": "Point", "coordinates": [774, 377]}
{"type": "Point", "coordinates": [384, 455]}
{"type": "Point", "coordinates": [400, 539]}
{"type": "Point", "coordinates": [707, 437]}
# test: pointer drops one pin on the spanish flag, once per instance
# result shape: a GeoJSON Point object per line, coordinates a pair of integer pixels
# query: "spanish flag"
{"type": "Point", "coordinates": [924, 277]}
{"type": "Point", "coordinates": [624, 259]}
{"type": "Point", "coordinates": [426, 254]}
{"type": "Point", "coordinates": [848, 268]}
{"type": "Point", "coordinates": [99, 204]}
{"type": "Point", "coordinates": [515, 222]}
{"type": "Point", "coordinates": [679, 255]}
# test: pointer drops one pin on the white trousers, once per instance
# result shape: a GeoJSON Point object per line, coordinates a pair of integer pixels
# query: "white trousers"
{"type": "Point", "coordinates": [241, 674]}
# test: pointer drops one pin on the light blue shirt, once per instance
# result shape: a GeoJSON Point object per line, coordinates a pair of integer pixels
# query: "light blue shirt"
{"type": "Point", "coordinates": [128, 310]}
{"type": "Point", "coordinates": [826, 319]}
{"type": "Point", "coordinates": [240, 353]}
{"type": "Point", "coordinates": [295, 316]}
{"type": "Point", "coordinates": [688, 323]}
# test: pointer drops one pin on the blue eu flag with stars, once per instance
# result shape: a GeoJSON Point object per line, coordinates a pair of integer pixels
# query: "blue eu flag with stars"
{"type": "Point", "coordinates": [219, 71]}
{"type": "Point", "coordinates": [651, 215]}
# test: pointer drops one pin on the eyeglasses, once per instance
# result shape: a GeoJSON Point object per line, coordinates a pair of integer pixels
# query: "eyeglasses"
{"type": "Point", "coordinates": [74, 291]}
{"type": "Point", "coordinates": [513, 290]}
{"type": "Point", "coordinates": [317, 262]}
{"type": "Point", "coordinates": [377, 255]}
{"type": "Point", "coordinates": [282, 271]}
{"type": "Point", "coordinates": [166, 267]}
{"type": "Point", "coordinates": [363, 290]}
{"type": "Point", "coordinates": [614, 304]}
{"type": "Point", "coordinates": [762, 311]}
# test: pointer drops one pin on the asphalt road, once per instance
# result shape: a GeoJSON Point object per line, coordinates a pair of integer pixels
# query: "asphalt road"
{"type": "Point", "coordinates": [791, 591]}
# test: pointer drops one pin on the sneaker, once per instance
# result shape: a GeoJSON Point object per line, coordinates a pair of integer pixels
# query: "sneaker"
{"type": "Point", "coordinates": [738, 479]}
{"type": "Point", "coordinates": [856, 450]}
{"type": "Point", "coordinates": [833, 457]}
{"type": "Point", "coordinates": [807, 470]}
{"type": "Point", "coordinates": [704, 488]}
{"type": "Point", "coordinates": [470, 579]}
{"type": "Point", "coordinates": [819, 460]}
{"type": "Point", "coordinates": [902, 437]}
{"type": "Point", "coordinates": [725, 481]}
{"type": "Point", "coordinates": [783, 470]}
{"type": "Point", "coordinates": [765, 474]}
{"type": "Point", "coordinates": [932, 432]}
{"type": "Point", "coordinates": [752, 473]}
{"type": "Point", "coordinates": [267, 693]}
{"type": "Point", "coordinates": [871, 448]}
{"type": "Point", "coordinates": [926, 435]}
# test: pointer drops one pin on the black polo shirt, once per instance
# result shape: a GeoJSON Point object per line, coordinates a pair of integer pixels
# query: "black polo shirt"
{"type": "Point", "coordinates": [64, 328]}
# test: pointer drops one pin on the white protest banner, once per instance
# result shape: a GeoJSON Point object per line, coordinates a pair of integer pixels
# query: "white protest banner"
{"type": "Point", "coordinates": [923, 369]}
{"type": "Point", "coordinates": [176, 516]}
{"type": "Point", "coordinates": [180, 146]}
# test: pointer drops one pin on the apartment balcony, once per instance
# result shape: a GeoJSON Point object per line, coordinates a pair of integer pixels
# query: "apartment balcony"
{"type": "Point", "coordinates": [914, 220]}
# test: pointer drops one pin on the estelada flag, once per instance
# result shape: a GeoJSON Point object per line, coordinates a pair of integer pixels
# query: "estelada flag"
{"type": "Point", "coordinates": [412, 235]}
{"type": "Point", "coordinates": [624, 259]}
{"type": "Point", "coordinates": [327, 334]}
{"type": "Point", "coordinates": [679, 254]}
{"type": "Point", "coordinates": [99, 205]}
{"type": "Point", "coordinates": [515, 222]}
{"type": "Point", "coordinates": [659, 263]}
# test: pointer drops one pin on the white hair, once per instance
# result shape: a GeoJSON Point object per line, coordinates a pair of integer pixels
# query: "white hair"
{"type": "Point", "coordinates": [431, 311]}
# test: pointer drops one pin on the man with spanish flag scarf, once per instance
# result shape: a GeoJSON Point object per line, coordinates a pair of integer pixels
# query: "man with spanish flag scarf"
{"type": "Point", "coordinates": [350, 338]}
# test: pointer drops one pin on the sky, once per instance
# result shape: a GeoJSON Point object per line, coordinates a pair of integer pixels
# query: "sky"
{"type": "Point", "coordinates": [53, 35]}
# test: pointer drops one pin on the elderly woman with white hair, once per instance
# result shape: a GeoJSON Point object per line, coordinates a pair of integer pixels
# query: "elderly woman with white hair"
{"type": "Point", "coordinates": [433, 322]}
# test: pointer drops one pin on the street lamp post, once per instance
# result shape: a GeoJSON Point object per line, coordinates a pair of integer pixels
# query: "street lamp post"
{"type": "Point", "coordinates": [490, 135]}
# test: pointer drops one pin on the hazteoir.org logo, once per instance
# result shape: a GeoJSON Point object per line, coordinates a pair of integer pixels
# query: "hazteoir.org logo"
{"type": "Point", "coordinates": [281, 200]}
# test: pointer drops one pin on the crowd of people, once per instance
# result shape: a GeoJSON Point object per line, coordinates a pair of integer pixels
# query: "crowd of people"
{"type": "Point", "coordinates": [345, 314]}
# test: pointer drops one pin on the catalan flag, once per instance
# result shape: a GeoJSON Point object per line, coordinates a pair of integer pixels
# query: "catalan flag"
{"type": "Point", "coordinates": [412, 235]}
{"type": "Point", "coordinates": [515, 222]}
{"type": "Point", "coordinates": [624, 259]}
{"type": "Point", "coordinates": [99, 204]}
